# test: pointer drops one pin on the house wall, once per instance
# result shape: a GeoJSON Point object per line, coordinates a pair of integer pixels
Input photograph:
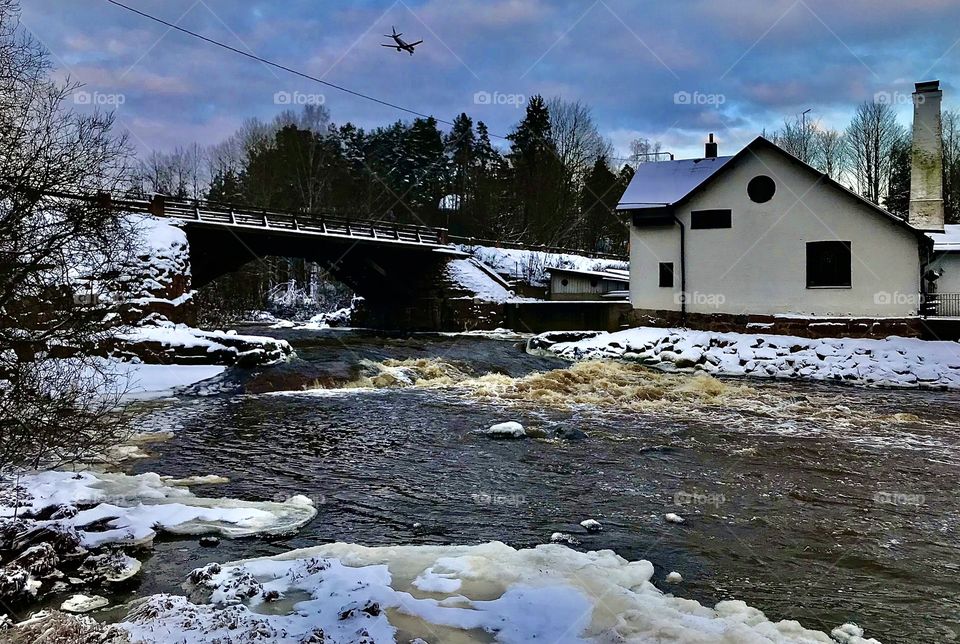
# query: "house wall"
{"type": "Point", "coordinates": [949, 281]}
{"type": "Point", "coordinates": [758, 266]}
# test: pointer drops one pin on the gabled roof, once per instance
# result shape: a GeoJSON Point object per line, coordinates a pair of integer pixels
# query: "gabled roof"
{"type": "Point", "coordinates": [948, 241]}
{"type": "Point", "coordinates": [695, 187]}
{"type": "Point", "coordinates": [666, 182]}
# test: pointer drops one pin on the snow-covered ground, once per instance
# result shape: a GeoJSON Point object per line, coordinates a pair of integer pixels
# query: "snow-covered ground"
{"type": "Point", "coordinates": [134, 508]}
{"type": "Point", "coordinates": [146, 381]}
{"type": "Point", "coordinates": [348, 593]}
{"type": "Point", "coordinates": [181, 343]}
{"type": "Point", "coordinates": [469, 276]}
{"type": "Point", "coordinates": [891, 362]}
{"type": "Point", "coordinates": [531, 265]}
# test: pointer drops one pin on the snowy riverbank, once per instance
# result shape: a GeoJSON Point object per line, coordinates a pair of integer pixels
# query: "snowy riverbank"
{"type": "Point", "coordinates": [168, 343]}
{"type": "Point", "coordinates": [347, 593]}
{"type": "Point", "coordinates": [70, 532]}
{"type": "Point", "coordinates": [891, 362]}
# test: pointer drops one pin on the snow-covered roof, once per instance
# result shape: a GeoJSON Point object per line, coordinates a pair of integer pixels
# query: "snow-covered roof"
{"type": "Point", "coordinates": [667, 182]}
{"type": "Point", "coordinates": [948, 241]}
{"type": "Point", "coordinates": [613, 276]}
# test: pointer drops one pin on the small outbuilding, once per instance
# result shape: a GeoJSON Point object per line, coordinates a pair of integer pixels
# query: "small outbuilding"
{"type": "Point", "coordinates": [568, 284]}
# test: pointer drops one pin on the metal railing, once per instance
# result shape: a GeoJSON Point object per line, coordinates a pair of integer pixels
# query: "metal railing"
{"type": "Point", "coordinates": [945, 305]}
{"type": "Point", "coordinates": [212, 212]}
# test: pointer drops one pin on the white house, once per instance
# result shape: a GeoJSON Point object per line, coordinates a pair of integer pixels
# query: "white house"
{"type": "Point", "coordinates": [946, 264]}
{"type": "Point", "coordinates": [761, 233]}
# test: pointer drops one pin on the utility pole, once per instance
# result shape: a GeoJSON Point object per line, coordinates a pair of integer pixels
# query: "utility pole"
{"type": "Point", "coordinates": [806, 135]}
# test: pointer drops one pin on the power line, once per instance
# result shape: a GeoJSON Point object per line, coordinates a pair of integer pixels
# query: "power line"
{"type": "Point", "coordinates": [290, 70]}
{"type": "Point", "coordinates": [295, 72]}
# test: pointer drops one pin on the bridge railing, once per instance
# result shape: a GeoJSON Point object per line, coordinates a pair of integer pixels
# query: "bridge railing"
{"type": "Point", "coordinates": [326, 224]}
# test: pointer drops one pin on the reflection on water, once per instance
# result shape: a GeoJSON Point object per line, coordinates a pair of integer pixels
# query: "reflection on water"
{"type": "Point", "coordinates": [811, 502]}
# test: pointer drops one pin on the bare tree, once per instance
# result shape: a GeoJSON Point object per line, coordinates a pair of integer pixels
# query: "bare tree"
{"type": "Point", "coordinates": [830, 152]}
{"type": "Point", "coordinates": [797, 137]}
{"type": "Point", "coordinates": [642, 150]}
{"type": "Point", "coordinates": [578, 144]}
{"type": "Point", "coordinates": [872, 136]}
{"type": "Point", "coordinates": [951, 165]}
{"type": "Point", "coordinates": [54, 399]}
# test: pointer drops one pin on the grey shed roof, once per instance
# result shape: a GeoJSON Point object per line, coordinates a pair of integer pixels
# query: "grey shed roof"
{"type": "Point", "coordinates": [948, 241]}
{"type": "Point", "coordinates": [667, 182]}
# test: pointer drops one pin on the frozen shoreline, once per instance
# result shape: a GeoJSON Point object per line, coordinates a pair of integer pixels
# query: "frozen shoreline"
{"type": "Point", "coordinates": [891, 362]}
{"type": "Point", "coordinates": [351, 593]}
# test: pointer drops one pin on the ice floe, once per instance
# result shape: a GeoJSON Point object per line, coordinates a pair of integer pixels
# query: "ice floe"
{"type": "Point", "coordinates": [347, 593]}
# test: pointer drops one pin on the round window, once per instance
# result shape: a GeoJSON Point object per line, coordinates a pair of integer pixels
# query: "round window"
{"type": "Point", "coordinates": [593, 283]}
{"type": "Point", "coordinates": [761, 189]}
{"type": "Point", "coordinates": [565, 282]}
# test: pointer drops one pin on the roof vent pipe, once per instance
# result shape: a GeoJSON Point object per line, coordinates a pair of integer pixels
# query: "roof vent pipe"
{"type": "Point", "coordinates": [710, 149]}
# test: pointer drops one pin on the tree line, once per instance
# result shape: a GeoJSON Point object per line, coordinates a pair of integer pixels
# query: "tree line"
{"type": "Point", "coordinates": [553, 184]}
{"type": "Point", "coordinates": [872, 155]}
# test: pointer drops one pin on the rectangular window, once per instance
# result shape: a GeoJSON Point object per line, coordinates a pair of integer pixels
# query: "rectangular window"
{"type": "Point", "coordinates": [704, 219]}
{"type": "Point", "coordinates": [828, 264]}
{"type": "Point", "coordinates": [666, 274]}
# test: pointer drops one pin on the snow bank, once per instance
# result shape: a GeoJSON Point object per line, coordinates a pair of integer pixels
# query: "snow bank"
{"type": "Point", "coordinates": [346, 593]}
{"type": "Point", "coordinates": [466, 274]}
{"type": "Point", "coordinates": [891, 362]}
{"type": "Point", "coordinates": [131, 509]}
{"type": "Point", "coordinates": [162, 271]}
{"type": "Point", "coordinates": [531, 265]}
{"type": "Point", "coordinates": [145, 381]}
{"type": "Point", "coordinates": [167, 342]}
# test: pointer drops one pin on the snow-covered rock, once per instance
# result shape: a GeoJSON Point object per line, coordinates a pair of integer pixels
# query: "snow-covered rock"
{"type": "Point", "coordinates": [674, 577]}
{"type": "Point", "coordinates": [671, 517]}
{"type": "Point", "coordinates": [891, 362]}
{"type": "Point", "coordinates": [509, 429]}
{"type": "Point", "coordinates": [591, 525]}
{"type": "Point", "coordinates": [177, 343]}
{"type": "Point", "coordinates": [132, 508]}
{"type": "Point", "coordinates": [84, 603]}
{"type": "Point", "coordinates": [564, 538]}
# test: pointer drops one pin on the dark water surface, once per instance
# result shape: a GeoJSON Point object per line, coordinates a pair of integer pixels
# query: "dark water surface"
{"type": "Point", "coordinates": [825, 507]}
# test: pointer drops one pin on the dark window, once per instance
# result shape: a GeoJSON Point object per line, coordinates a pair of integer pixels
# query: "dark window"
{"type": "Point", "coordinates": [593, 283]}
{"type": "Point", "coordinates": [565, 281]}
{"type": "Point", "coordinates": [761, 189]}
{"type": "Point", "coordinates": [703, 219]}
{"type": "Point", "coordinates": [666, 274]}
{"type": "Point", "coordinates": [828, 264]}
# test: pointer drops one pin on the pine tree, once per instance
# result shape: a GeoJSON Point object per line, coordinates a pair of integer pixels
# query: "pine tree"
{"type": "Point", "coordinates": [460, 146]}
{"type": "Point", "coordinates": [598, 199]}
{"type": "Point", "coordinates": [535, 168]}
{"type": "Point", "coordinates": [897, 200]}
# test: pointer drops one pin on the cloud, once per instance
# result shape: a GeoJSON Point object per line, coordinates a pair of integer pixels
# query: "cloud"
{"type": "Point", "coordinates": [769, 59]}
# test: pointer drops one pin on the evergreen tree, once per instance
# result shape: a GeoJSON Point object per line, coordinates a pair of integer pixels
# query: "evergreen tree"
{"type": "Point", "coordinates": [897, 200]}
{"type": "Point", "coordinates": [460, 145]}
{"type": "Point", "coordinates": [598, 199]}
{"type": "Point", "coordinates": [535, 168]}
{"type": "Point", "coordinates": [489, 178]}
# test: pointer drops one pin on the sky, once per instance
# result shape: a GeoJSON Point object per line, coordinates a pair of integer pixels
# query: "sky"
{"type": "Point", "coordinates": [668, 71]}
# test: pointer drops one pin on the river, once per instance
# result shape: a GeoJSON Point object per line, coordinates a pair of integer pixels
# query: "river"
{"type": "Point", "coordinates": [820, 503]}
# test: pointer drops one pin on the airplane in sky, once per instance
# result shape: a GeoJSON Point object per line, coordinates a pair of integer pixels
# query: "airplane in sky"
{"type": "Point", "coordinates": [399, 44]}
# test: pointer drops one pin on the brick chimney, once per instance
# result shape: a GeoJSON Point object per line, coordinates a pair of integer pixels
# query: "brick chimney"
{"type": "Point", "coordinates": [926, 167]}
{"type": "Point", "coordinates": [710, 149]}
